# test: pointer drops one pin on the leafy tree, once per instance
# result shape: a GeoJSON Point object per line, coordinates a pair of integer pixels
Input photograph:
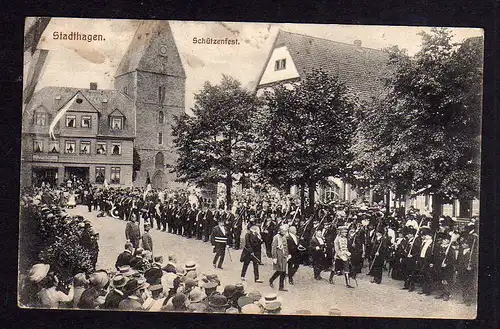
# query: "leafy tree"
{"type": "Point", "coordinates": [136, 163]}
{"type": "Point", "coordinates": [215, 144]}
{"type": "Point", "coordinates": [424, 135]}
{"type": "Point", "coordinates": [305, 133]}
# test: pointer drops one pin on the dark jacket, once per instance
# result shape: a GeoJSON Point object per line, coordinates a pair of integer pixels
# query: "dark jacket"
{"type": "Point", "coordinates": [252, 246]}
{"type": "Point", "coordinates": [123, 259]}
{"type": "Point", "coordinates": [113, 299]}
{"type": "Point", "coordinates": [293, 247]}
{"type": "Point", "coordinates": [219, 239]}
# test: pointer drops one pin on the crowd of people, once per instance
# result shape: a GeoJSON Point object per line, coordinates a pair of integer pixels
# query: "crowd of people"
{"type": "Point", "coordinates": [439, 257]}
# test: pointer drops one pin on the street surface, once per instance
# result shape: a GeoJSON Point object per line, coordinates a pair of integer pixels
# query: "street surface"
{"type": "Point", "coordinates": [368, 299]}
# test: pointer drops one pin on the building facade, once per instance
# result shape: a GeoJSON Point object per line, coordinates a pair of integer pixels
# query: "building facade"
{"type": "Point", "coordinates": [71, 133]}
{"type": "Point", "coordinates": [293, 56]}
{"type": "Point", "coordinates": [152, 75]}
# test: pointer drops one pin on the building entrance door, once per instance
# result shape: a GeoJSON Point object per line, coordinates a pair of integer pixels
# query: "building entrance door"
{"type": "Point", "coordinates": [76, 174]}
{"type": "Point", "coordinates": [44, 175]}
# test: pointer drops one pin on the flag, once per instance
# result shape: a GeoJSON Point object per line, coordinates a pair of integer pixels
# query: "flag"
{"type": "Point", "coordinates": [58, 117]}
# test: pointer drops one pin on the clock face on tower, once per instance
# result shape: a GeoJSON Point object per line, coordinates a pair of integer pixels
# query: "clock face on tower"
{"type": "Point", "coordinates": [163, 50]}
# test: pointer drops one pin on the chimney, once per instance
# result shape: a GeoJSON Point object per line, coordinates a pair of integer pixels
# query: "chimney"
{"type": "Point", "coordinates": [357, 43]}
{"type": "Point", "coordinates": [93, 86]}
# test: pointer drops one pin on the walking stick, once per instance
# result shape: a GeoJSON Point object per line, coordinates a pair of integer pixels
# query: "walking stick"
{"type": "Point", "coordinates": [378, 249]}
{"type": "Point", "coordinates": [229, 254]}
{"type": "Point", "coordinates": [251, 254]}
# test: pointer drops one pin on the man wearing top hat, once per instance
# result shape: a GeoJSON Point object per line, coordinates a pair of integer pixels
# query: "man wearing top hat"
{"type": "Point", "coordinates": [219, 241]}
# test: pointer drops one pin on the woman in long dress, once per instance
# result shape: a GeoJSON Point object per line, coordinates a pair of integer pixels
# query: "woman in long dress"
{"type": "Point", "coordinates": [71, 200]}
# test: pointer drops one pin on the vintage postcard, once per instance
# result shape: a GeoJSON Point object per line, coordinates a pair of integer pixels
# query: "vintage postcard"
{"type": "Point", "coordinates": [250, 168]}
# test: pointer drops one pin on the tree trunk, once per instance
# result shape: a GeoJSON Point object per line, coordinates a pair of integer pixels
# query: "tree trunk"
{"type": "Point", "coordinates": [229, 186]}
{"type": "Point", "coordinates": [388, 203]}
{"type": "Point", "coordinates": [437, 202]}
{"type": "Point", "coordinates": [311, 189]}
{"type": "Point", "coordinates": [302, 199]}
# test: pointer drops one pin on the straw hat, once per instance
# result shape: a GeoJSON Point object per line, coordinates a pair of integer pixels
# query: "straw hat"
{"type": "Point", "coordinates": [251, 309]}
{"type": "Point", "coordinates": [38, 272]}
{"type": "Point", "coordinates": [190, 266]}
{"type": "Point", "coordinates": [270, 302]}
{"type": "Point", "coordinates": [99, 279]}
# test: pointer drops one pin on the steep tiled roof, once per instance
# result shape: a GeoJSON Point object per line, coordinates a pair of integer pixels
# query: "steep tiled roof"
{"type": "Point", "coordinates": [360, 68]}
{"type": "Point", "coordinates": [46, 98]}
{"type": "Point", "coordinates": [142, 53]}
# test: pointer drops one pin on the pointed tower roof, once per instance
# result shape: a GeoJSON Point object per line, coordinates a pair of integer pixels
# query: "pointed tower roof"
{"type": "Point", "coordinates": [360, 68]}
{"type": "Point", "coordinates": [152, 49]}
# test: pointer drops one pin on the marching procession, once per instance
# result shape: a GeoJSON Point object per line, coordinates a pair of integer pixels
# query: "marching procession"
{"type": "Point", "coordinates": [341, 239]}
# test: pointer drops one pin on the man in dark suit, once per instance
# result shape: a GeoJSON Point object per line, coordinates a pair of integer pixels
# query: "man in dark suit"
{"type": "Point", "coordinates": [132, 231]}
{"type": "Point", "coordinates": [252, 253]}
{"type": "Point", "coordinates": [294, 261]}
{"type": "Point", "coordinates": [219, 239]}
{"type": "Point", "coordinates": [126, 256]}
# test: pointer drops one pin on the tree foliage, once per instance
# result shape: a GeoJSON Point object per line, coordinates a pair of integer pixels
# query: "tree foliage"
{"type": "Point", "coordinates": [424, 135]}
{"type": "Point", "coordinates": [305, 132]}
{"type": "Point", "coordinates": [216, 143]}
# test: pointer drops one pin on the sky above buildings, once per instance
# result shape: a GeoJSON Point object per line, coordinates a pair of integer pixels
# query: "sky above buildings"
{"type": "Point", "coordinates": [77, 63]}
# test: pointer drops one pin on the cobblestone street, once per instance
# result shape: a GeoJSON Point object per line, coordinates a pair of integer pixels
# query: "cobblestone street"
{"type": "Point", "coordinates": [368, 299]}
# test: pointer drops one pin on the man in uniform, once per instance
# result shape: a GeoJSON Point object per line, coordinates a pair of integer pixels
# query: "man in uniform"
{"type": "Point", "coordinates": [219, 241]}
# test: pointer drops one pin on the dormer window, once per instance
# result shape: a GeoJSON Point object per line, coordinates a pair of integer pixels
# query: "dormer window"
{"type": "Point", "coordinates": [41, 119]}
{"type": "Point", "coordinates": [116, 123]}
{"type": "Point", "coordinates": [280, 64]}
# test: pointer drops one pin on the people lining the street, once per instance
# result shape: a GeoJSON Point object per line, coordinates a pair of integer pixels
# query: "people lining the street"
{"type": "Point", "coordinates": [347, 240]}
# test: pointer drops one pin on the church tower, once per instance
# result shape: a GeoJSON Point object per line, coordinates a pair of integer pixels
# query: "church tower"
{"type": "Point", "coordinates": [151, 73]}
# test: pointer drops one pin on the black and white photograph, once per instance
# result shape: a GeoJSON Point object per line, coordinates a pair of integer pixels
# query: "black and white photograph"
{"type": "Point", "coordinates": [250, 168]}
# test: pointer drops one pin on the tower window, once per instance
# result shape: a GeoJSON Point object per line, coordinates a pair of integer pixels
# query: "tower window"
{"type": "Point", "coordinates": [160, 138]}
{"type": "Point", "coordinates": [160, 117]}
{"type": "Point", "coordinates": [161, 94]}
{"type": "Point", "coordinates": [280, 64]}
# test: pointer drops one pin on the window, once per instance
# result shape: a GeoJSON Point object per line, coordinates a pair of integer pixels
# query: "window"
{"type": "Point", "coordinates": [116, 123]}
{"type": "Point", "coordinates": [159, 160]}
{"type": "Point", "coordinates": [37, 146]}
{"type": "Point", "coordinates": [160, 138]}
{"type": "Point", "coordinates": [41, 119]}
{"type": "Point", "coordinates": [100, 174]}
{"type": "Point", "coordinates": [161, 94]}
{"type": "Point", "coordinates": [161, 117]}
{"type": "Point", "coordinates": [54, 147]}
{"type": "Point", "coordinates": [70, 147]}
{"type": "Point", "coordinates": [115, 175]}
{"type": "Point", "coordinates": [70, 121]}
{"type": "Point", "coordinates": [86, 121]}
{"type": "Point", "coordinates": [101, 148]}
{"type": "Point", "coordinates": [280, 64]}
{"type": "Point", "coordinates": [116, 149]}
{"type": "Point", "coordinates": [84, 147]}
